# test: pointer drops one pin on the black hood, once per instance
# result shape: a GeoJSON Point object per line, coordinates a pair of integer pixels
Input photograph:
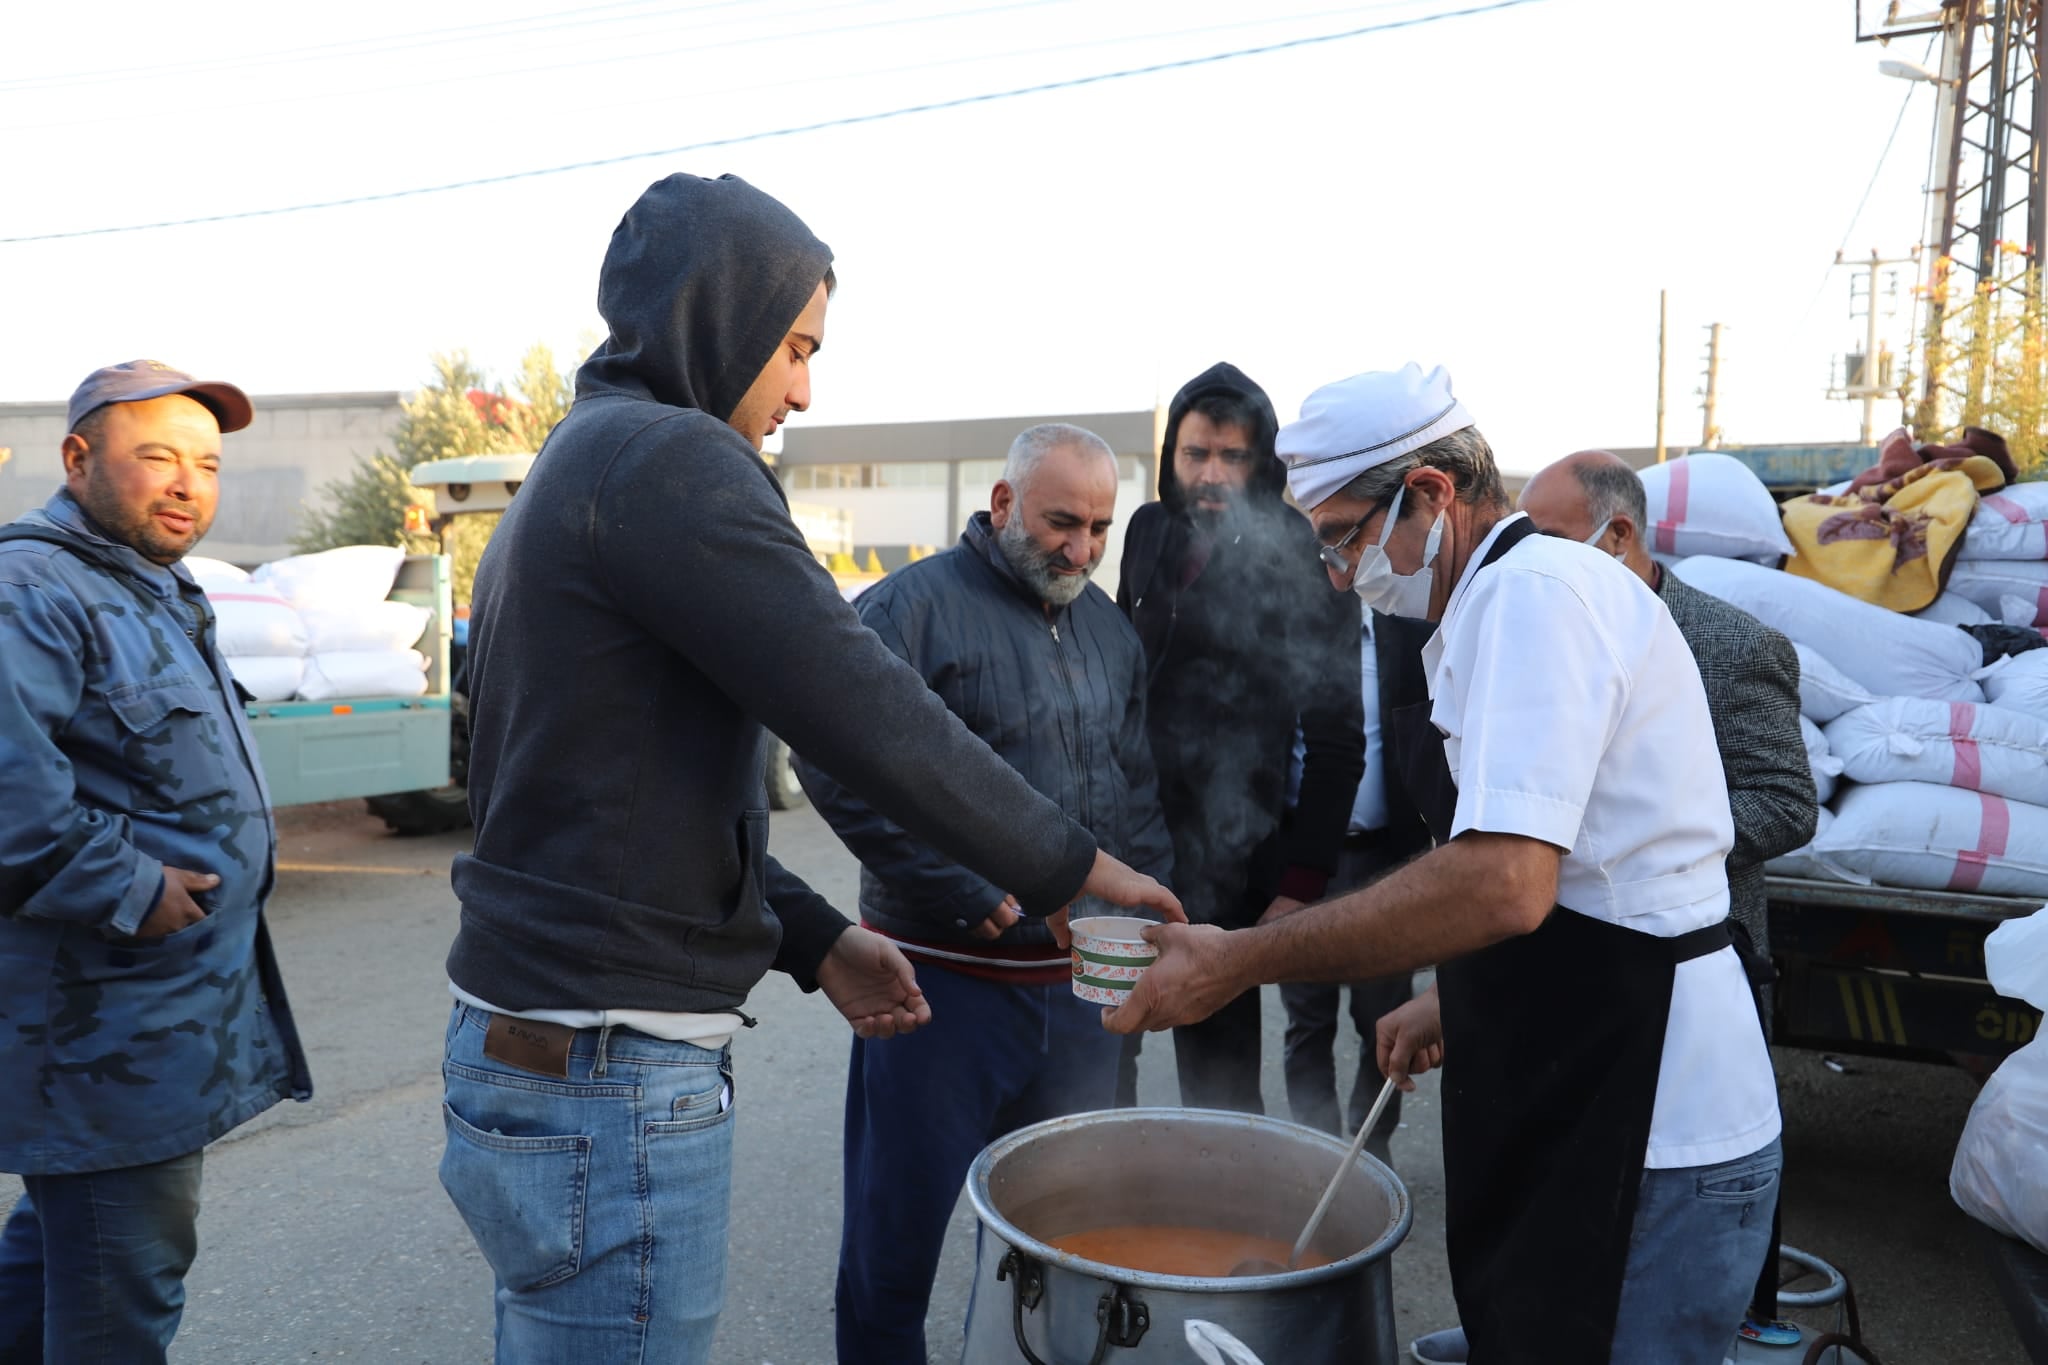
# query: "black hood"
{"type": "Point", "coordinates": [1269, 475]}
{"type": "Point", "coordinates": [700, 285]}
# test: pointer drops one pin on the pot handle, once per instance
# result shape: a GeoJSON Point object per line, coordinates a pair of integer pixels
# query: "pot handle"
{"type": "Point", "coordinates": [1120, 1319]}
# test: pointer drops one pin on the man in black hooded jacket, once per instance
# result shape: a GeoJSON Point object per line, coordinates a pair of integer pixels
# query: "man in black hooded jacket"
{"type": "Point", "coordinates": [643, 610]}
{"type": "Point", "coordinates": [1246, 645]}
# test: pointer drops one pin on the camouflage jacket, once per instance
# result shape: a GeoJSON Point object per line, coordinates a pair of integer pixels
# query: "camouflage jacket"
{"type": "Point", "coordinates": [123, 750]}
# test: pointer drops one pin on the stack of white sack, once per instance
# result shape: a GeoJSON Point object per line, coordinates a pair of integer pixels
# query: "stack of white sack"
{"type": "Point", "coordinates": [258, 630]}
{"type": "Point", "coordinates": [1998, 1177]}
{"type": "Point", "coordinates": [1989, 582]}
{"type": "Point", "coordinates": [1715, 505]}
{"type": "Point", "coordinates": [358, 643]}
{"type": "Point", "coordinates": [1887, 654]}
{"type": "Point", "coordinates": [1827, 769]}
{"type": "Point", "coordinates": [2009, 524]}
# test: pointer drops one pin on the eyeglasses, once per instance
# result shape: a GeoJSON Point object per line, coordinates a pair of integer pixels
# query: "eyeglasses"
{"type": "Point", "coordinates": [1333, 555]}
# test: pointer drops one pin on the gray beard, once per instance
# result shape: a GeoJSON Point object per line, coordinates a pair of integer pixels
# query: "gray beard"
{"type": "Point", "coordinates": [1034, 566]}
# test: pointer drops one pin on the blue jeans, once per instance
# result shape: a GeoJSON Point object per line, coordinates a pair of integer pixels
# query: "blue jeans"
{"type": "Point", "coordinates": [1700, 1233]}
{"type": "Point", "coordinates": [994, 1059]}
{"type": "Point", "coordinates": [92, 1266]}
{"type": "Point", "coordinates": [599, 1200]}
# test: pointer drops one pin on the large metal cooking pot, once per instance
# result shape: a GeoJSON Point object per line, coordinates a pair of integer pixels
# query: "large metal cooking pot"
{"type": "Point", "coordinates": [1187, 1168]}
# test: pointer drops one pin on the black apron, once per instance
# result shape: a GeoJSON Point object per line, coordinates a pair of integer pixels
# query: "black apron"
{"type": "Point", "coordinates": [1552, 1044]}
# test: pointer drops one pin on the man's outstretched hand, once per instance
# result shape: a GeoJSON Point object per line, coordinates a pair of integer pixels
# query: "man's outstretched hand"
{"type": "Point", "coordinates": [1193, 977]}
{"type": "Point", "coordinates": [1120, 884]}
{"type": "Point", "coordinates": [871, 982]}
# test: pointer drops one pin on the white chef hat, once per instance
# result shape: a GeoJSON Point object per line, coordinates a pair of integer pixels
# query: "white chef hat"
{"type": "Point", "coordinates": [1352, 425]}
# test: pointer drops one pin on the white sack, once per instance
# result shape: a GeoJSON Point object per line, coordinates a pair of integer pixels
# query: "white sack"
{"type": "Point", "coordinates": [1804, 862]}
{"type": "Point", "coordinates": [1889, 654]}
{"type": "Point", "coordinates": [370, 626]}
{"type": "Point", "coordinates": [1929, 838]}
{"type": "Point", "coordinates": [204, 570]}
{"type": "Point", "coordinates": [1708, 504]}
{"type": "Point", "coordinates": [268, 679]}
{"type": "Point", "coordinates": [2012, 524]}
{"type": "Point", "coordinates": [1985, 581]}
{"type": "Point", "coordinates": [251, 621]}
{"type": "Point", "coordinates": [365, 673]}
{"type": "Point", "coordinates": [1953, 609]}
{"type": "Point", "coordinates": [2019, 682]}
{"type": "Point", "coordinates": [354, 575]}
{"type": "Point", "coordinates": [1826, 691]}
{"type": "Point", "coordinates": [1998, 1176]}
{"type": "Point", "coordinates": [2016, 958]}
{"type": "Point", "coordinates": [1826, 767]}
{"type": "Point", "coordinates": [1955, 743]}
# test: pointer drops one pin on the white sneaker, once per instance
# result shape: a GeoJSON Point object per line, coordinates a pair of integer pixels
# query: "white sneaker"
{"type": "Point", "coordinates": [1447, 1347]}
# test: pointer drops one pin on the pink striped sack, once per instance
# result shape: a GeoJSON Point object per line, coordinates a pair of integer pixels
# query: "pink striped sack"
{"type": "Point", "coordinates": [1978, 748]}
{"type": "Point", "coordinates": [2009, 524]}
{"type": "Point", "coordinates": [1709, 504]}
{"type": "Point", "coordinates": [1987, 581]}
{"type": "Point", "coordinates": [1931, 838]}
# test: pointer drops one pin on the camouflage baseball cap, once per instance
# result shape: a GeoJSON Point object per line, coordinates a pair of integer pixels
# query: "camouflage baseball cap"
{"type": "Point", "coordinates": [140, 379]}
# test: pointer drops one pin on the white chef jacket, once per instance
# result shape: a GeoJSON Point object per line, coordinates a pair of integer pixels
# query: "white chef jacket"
{"type": "Point", "coordinates": [1572, 712]}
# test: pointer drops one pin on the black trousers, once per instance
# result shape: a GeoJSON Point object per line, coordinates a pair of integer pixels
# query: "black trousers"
{"type": "Point", "coordinates": [1313, 1010]}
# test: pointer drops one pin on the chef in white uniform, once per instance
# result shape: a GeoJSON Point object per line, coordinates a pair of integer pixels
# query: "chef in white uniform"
{"type": "Point", "coordinates": [1610, 1123]}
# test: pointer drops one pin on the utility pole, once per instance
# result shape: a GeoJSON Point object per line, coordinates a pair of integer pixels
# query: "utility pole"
{"type": "Point", "coordinates": [1869, 377]}
{"type": "Point", "coordinates": [1663, 323]}
{"type": "Point", "coordinates": [1710, 430]}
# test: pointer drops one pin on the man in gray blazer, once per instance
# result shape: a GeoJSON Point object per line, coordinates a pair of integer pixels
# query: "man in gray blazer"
{"type": "Point", "coordinates": [1751, 674]}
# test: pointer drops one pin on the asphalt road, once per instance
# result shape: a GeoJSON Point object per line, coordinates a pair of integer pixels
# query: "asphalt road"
{"type": "Point", "coordinates": [326, 1237]}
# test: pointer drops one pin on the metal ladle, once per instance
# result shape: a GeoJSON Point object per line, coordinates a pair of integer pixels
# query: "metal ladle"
{"type": "Point", "coordinates": [1259, 1265]}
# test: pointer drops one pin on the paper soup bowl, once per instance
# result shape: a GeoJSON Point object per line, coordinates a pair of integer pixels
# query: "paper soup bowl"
{"type": "Point", "coordinates": [1110, 954]}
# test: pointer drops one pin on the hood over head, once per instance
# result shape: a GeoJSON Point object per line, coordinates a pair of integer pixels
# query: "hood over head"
{"type": "Point", "coordinates": [700, 285]}
{"type": "Point", "coordinates": [1269, 474]}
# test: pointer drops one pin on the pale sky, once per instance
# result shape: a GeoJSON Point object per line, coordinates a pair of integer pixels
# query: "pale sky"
{"type": "Point", "coordinates": [1503, 194]}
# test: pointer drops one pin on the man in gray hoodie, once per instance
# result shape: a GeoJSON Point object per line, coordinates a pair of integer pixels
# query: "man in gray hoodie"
{"type": "Point", "coordinates": [644, 609]}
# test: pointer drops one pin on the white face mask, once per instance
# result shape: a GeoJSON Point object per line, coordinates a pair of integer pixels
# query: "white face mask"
{"type": "Point", "coordinates": [1599, 531]}
{"type": "Point", "coordinates": [1375, 581]}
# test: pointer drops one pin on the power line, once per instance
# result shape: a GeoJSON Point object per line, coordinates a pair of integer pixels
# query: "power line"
{"type": "Point", "coordinates": [847, 121]}
{"type": "Point", "coordinates": [973, 11]}
{"type": "Point", "coordinates": [754, 87]}
{"type": "Point", "coordinates": [517, 26]}
{"type": "Point", "coordinates": [1863, 203]}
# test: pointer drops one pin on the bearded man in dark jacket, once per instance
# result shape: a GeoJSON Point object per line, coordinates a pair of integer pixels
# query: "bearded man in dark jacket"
{"type": "Point", "coordinates": [1246, 646]}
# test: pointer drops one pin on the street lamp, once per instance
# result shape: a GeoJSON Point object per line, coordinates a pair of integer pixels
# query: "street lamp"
{"type": "Point", "coordinates": [1910, 71]}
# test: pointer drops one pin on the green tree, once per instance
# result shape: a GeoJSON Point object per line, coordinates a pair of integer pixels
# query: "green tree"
{"type": "Point", "coordinates": [458, 413]}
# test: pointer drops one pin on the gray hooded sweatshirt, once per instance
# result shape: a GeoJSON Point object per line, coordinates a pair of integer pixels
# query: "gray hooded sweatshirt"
{"type": "Point", "coordinates": [643, 610]}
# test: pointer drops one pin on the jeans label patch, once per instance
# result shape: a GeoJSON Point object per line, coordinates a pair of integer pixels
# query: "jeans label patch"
{"type": "Point", "coordinates": [529, 1044]}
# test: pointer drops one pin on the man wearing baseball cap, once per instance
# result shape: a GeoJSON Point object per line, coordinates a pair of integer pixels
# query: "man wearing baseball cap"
{"type": "Point", "coordinates": [144, 1010]}
{"type": "Point", "coordinates": [1610, 1123]}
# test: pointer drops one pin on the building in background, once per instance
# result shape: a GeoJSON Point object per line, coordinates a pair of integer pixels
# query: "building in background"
{"type": "Point", "coordinates": [913, 485]}
{"type": "Point", "coordinates": [298, 443]}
